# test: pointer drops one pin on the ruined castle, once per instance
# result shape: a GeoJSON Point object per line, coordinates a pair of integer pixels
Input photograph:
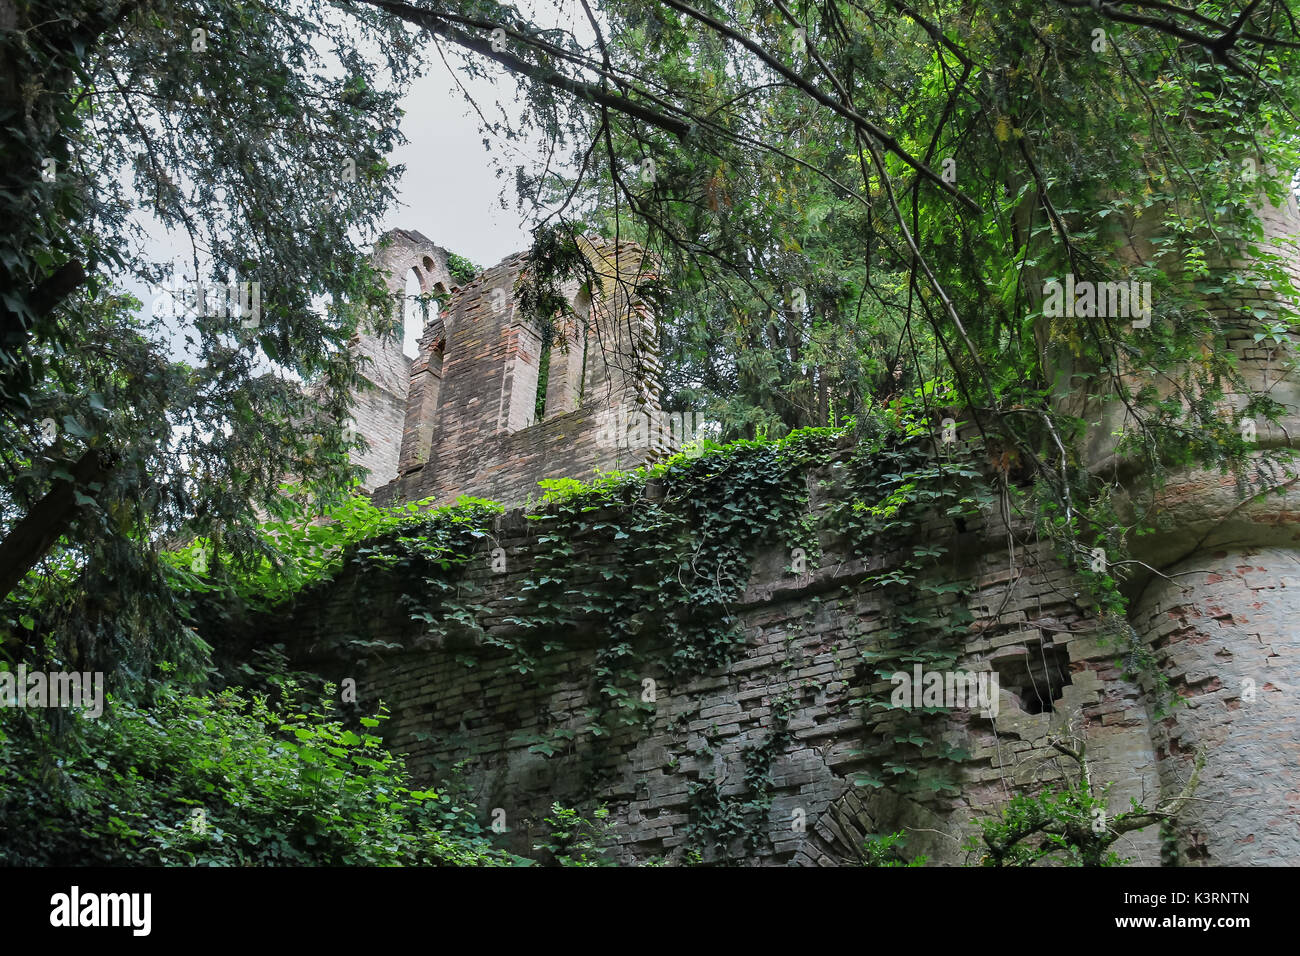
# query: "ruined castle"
{"type": "Point", "coordinates": [475, 413]}
{"type": "Point", "coordinates": [1216, 604]}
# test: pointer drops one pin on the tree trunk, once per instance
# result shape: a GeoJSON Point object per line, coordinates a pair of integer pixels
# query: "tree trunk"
{"type": "Point", "coordinates": [49, 518]}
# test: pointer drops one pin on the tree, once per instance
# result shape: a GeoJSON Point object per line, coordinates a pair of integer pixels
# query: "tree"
{"type": "Point", "coordinates": [851, 198]}
{"type": "Point", "coordinates": [258, 135]}
{"type": "Point", "coordinates": [861, 203]}
{"type": "Point", "coordinates": [1075, 823]}
{"type": "Point", "coordinates": [968, 152]}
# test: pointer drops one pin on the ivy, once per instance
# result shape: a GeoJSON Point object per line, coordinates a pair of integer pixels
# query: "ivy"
{"type": "Point", "coordinates": [649, 565]}
{"type": "Point", "coordinates": [885, 850]}
{"type": "Point", "coordinates": [718, 821]}
{"type": "Point", "coordinates": [224, 779]}
{"type": "Point", "coordinates": [670, 565]}
{"type": "Point", "coordinates": [893, 495]}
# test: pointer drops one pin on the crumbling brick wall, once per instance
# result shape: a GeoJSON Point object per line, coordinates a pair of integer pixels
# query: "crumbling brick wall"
{"type": "Point", "coordinates": [805, 635]}
{"type": "Point", "coordinates": [380, 411]}
{"type": "Point", "coordinates": [469, 423]}
{"type": "Point", "coordinates": [1215, 599]}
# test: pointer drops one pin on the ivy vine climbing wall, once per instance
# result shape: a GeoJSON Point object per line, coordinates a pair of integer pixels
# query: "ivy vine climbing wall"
{"type": "Point", "coordinates": [706, 648]}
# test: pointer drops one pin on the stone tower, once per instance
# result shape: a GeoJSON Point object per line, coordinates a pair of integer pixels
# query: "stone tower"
{"type": "Point", "coordinates": [473, 413]}
{"type": "Point", "coordinates": [1218, 598]}
{"type": "Point", "coordinates": [380, 413]}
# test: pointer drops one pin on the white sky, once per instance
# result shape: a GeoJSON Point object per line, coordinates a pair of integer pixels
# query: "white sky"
{"type": "Point", "coordinates": [450, 190]}
{"type": "Point", "coordinates": [452, 187]}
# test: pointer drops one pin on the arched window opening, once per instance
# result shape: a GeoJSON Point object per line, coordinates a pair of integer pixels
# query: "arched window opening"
{"type": "Point", "coordinates": [582, 309]}
{"type": "Point", "coordinates": [413, 316]}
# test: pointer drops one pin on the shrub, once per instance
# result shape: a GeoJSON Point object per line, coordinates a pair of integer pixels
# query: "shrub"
{"type": "Point", "coordinates": [221, 780]}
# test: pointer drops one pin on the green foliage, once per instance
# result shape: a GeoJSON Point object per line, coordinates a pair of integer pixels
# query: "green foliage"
{"type": "Point", "coordinates": [222, 780]}
{"type": "Point", "coordinates": [885, 850]}
{"type": "Point", "coordinates": [1073, 826]}
{"type": "Point", "coordinates": [461, 269]}
{"type": "Point", "coordinates": [298, 550]}
{"type": "Point", "coordinates": [1059, 151]}
{"type": "Point", "coordinates": [818, 272]}
{"type": "Point", "coordinates": [895, 489]}
{"type": "Point", "coordinates": [575, 840]}
{"type": "Point", "coordinates": [260, 150]}
{"type": "Point", "coordinates": [1068, 827]}
{"type": "Point", "coordinates": [673, 563]}
{"type": "Point", "coordinates": [721, 822]}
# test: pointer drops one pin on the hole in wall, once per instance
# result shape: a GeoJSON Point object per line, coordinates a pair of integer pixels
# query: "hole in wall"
{"type": "Point", "coordinates": [1036, 679]}
{"type": "Point", "coordinates": [412, 316]}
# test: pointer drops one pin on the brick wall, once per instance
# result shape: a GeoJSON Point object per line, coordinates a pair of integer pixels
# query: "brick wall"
{"type": "Point", "coordinates": [380, 411]}
{"type": "Point", "coordinates": [1216, 601]}
{"type": "Point", "coordinates": [469, 425]}
{"type": "Point", "coordinates": [805, 635]}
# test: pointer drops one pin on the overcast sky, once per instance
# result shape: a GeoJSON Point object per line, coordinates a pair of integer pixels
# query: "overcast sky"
{"type": "Point", "coordinates": [450, 190]}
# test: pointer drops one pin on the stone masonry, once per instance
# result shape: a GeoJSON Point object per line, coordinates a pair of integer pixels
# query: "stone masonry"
{"type": "Point", "coordinates": [461, 418]}
{"type": "Point", "coordinates": [1216, 600]}
{"type": "Point", "coordinates": [805, 634]}
{"type": "Point", "coordinates": [379, 412]}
